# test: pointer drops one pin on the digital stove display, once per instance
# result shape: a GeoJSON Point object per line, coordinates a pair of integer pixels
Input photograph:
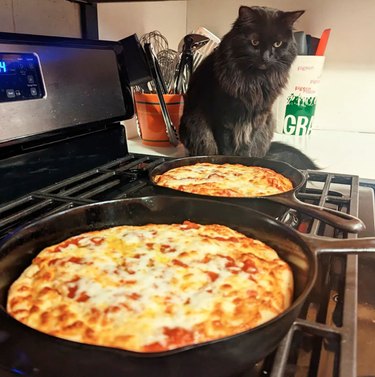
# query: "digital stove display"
{"type": "Point", "coordinates": [3, 66]}
{"type": "Point", "coordinates": [20, 77]}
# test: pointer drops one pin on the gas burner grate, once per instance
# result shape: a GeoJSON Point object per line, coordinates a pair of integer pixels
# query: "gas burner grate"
{"type": "Point", "coordinates": [121, 178]}
{"type": "Point", "coordinates": [322, 342]}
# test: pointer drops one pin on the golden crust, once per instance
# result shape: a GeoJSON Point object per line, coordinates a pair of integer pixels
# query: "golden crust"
{"type": "Point", "coordinates": [153, 287]}
{"type": "Point", "coordinates": [228, 180]}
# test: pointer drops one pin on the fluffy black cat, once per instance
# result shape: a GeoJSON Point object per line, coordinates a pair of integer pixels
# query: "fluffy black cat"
{"type": "Point", "coordinates": [230, 96]}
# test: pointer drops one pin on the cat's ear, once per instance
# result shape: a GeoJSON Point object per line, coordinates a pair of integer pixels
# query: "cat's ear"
{"type": "Point", "coordinates": [291, 17]}
{"type": "Point", "coordinates": [246, 13]}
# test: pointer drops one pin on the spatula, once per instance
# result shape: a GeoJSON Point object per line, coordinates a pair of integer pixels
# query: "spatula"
{"type": "Point", "coordinates": [321, 49]}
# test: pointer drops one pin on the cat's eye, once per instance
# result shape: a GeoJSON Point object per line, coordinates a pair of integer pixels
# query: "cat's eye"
{"type": "Point", "coordinates": [255, 42]}
{"type": "Point", "coordinates": [277, 44]}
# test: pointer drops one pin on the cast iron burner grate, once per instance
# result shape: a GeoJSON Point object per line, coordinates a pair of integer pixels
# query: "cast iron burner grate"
{"type": "Point", "coordinates": [322, 341]}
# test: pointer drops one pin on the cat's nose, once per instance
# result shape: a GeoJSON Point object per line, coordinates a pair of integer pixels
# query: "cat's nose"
{"type": "Point", "coordinates": [266, 56]}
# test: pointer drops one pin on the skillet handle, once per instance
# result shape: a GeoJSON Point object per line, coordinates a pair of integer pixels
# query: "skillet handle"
{"type": "Point", "coordinates": [321, 245]}
{"type": "Point", "coordinates": [330, 216]}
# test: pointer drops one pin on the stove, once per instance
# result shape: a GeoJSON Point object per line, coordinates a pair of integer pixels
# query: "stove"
{"type": "Point", "coordinates": [64, 147]}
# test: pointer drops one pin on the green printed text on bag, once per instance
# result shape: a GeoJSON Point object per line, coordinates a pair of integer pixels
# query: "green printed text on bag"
{"type": "Point", "coordinates": [294, 109]}
{"type": "Point", "coordinates": [299, 114]}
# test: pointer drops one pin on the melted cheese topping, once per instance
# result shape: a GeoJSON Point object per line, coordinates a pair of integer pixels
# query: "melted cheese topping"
{"type": "Point", "coordinates": [153, 287]}
{"type": "Point", "coordinates": [229, 180]}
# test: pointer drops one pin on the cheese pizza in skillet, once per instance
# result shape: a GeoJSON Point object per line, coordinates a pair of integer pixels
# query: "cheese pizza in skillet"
{"type": "Point", "coordinates": [152, 287]}
{"type": "Point", "coordinates": [228, 180]}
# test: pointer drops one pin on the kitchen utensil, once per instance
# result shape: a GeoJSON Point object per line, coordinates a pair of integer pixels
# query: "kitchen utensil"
{"type": "Point", "coordinates": [300, 38]}
{"type": "Point", "coordinates": [135, 62]}
{"type": "Point", "coordinates": [206, 50]}
{"type": "Point", "coordinates": [312, 44]}
{"type": "Point", "coordinates": [322, 45]}
{"type": "Point", "coordinates": [265, 203]}
{"type": "Point", "coordinates": [195, 41]}
{"type": "Point", "coordinates": [191, 43]}
{"type": "Point", "coordinates": [158, 43]}
{"type": "Point", "coordinates": [167, 61]}
{"type": "Point", "coordinates": [156, 39]}
{"type": "Point", "coordinates": [160, 88]}
{"type": "Point", "coordinates": [155, 66]}
{"type": "Point", "coordinates": [185, 66]}
{"type": "Point", "coordinates": [224, 357]}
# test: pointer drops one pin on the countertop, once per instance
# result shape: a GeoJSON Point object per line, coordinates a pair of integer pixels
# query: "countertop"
{"type": "Point", "coordinates": [341, 152]}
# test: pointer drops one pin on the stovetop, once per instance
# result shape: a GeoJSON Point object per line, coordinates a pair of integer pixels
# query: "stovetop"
{"type": "Point", "coordinates": [326, 340]}
{"type": "Point", "coordinates": [66, 148]}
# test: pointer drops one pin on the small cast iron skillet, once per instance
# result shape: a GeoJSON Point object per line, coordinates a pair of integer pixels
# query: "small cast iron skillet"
{"type": "Point", "coordinates": [267, 204]}
{"type": "Point", "coordinates": [34, 353]}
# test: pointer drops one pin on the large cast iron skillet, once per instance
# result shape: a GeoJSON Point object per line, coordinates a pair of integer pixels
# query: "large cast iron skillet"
{"type": "Point", "coordinates": [33, 353]}
{"type": "Point", "coordinates": [266, 204]}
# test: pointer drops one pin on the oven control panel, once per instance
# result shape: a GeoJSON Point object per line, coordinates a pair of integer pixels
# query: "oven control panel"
{"type": "Point", "coordinates": [20, 77]}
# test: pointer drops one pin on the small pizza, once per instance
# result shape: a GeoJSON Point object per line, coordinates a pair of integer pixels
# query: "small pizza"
{"type": "Point", "coordinates": [153, 287]}
{"type": "Point", "coordinates": [229, 180]}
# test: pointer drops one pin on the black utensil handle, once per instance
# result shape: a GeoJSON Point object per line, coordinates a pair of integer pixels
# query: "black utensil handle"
{"type": "Point", "coordinates": [323, 245]}
{"type": "Point", "coordinates": [158, 72]}
{"type": "Point", "coordinates": [171, 130]}
{"type": "Point", "coordinates": [179, 74]}
{"type": "Point", "coordinates": [330, 216]}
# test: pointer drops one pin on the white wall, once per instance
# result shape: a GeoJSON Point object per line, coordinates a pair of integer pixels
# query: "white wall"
{"type": "Point", "coordinates": [346, 98]}
{"type": "Point", "coordinates": [44, 17]}
{"type": "Point", "coordinates": [119, 20]}
{"type": "Point", "coordinates": [219, 15]}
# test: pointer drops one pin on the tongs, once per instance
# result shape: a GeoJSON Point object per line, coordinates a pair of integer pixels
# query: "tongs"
{"type": "Point", "coordinates": [160, 90]}
{"type": "Point", "coordinates": [191, 43]}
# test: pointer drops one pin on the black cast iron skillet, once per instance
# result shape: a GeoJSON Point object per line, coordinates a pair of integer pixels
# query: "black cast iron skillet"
{"type": "Point", "coordinates": [266, 204]}
{"type": "Point", "coordinates": [35, 353]}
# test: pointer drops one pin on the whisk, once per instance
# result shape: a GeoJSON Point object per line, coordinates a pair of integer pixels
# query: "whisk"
{"type": "Point", "coordinates": [158, 41]}
{"type": "Point", "coordinates": [167, 61]}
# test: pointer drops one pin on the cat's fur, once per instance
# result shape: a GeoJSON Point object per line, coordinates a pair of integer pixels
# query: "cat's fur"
{"type": "Point", "coordinates": [228, 103]}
